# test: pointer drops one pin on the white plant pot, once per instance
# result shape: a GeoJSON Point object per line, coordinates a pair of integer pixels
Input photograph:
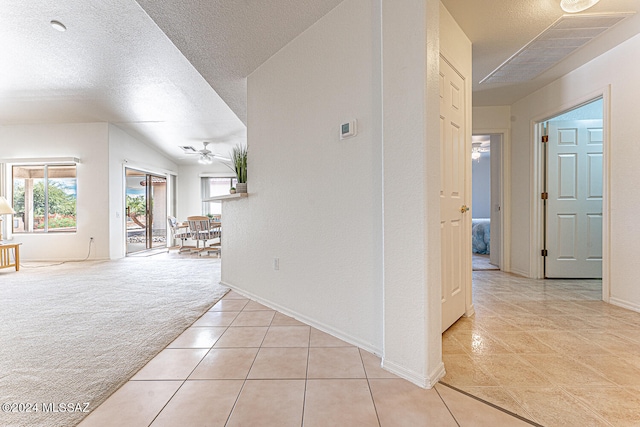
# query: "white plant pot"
{"type": "Point", "coordinates": [241, 187]}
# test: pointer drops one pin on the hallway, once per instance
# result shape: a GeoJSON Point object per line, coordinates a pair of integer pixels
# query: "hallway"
{"type": "Point", "coordinates": [548, 350]}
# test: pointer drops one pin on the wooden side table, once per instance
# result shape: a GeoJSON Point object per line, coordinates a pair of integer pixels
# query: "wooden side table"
{"type": "Point", "coordinates": [5, 255]}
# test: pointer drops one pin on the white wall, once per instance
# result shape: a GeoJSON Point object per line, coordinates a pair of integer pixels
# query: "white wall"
{"type": "Point", "coordinates": [89, 143]}
{"type": "Point", "coordinates": [491, 118]}
{"type": "Point", "coordinates": [481, 183]}
{"type": "Point", "coordinates": [314, 201]}
{"type": "Point", "coordinates": [618, 70]}
{"type": "Point", "coordinates": [189, 187]}
{"type": "Point", "coordinates": [125, 150]}
{"type": "Point", "coordinates": [102, 149]}
{"type": "Point", "coordinates": [411, 180]}
{"type": "Point", "coordinates": [355, 223]}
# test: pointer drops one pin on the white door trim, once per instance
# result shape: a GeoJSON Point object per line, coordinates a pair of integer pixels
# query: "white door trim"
{"type": "Point", "coordinates": [505, 195]}
{"type": "Point", "coordinates": [537, 176]}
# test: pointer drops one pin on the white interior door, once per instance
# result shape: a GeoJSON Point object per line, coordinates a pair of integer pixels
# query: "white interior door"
{"type": "Point", "coordinates": [574, 205]}
{"type": "Point", "coordinates": [456, 236]}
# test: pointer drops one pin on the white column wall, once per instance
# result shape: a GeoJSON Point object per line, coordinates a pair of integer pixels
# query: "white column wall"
{"type": "Point", "coordinates": [618, 70]}
{"type": "Point", "coordinates": [412, 292]}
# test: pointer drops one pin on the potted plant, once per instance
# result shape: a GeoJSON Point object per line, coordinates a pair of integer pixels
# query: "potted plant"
{"type": "Point", "coordinates": [232, 190]}
{"type": "Point", "coordinates": [239, 161]}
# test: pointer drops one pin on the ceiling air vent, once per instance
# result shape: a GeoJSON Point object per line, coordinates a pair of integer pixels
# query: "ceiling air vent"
{"type": "Point", "coordinates": [562, 38]}
{"type": "Point", "coordinates": [188, 149]}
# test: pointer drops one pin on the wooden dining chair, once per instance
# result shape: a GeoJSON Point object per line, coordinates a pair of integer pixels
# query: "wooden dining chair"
{"type": "Point", "coordinates": [201, 230]}
{"type": "Point", "coordinates": [178, 232]}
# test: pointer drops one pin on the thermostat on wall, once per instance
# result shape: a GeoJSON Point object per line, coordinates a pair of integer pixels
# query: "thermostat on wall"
{"type": "Point", "coordinates": [347, 130]}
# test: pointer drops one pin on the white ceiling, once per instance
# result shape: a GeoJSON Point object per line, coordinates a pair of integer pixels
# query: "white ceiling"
{"type": "Point", "coordinates": [180, 78]}
{"type": "Point", "coordinates": [113, 64]}
{"type": "Point", "coordinates": [499, 28]}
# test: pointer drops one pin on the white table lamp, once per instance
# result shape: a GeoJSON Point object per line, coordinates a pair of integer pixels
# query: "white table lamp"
{"type": "Point", "coordinates": [5, 209]}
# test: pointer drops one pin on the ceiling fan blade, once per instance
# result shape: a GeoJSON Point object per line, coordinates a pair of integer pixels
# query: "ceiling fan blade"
{"type": "Point", "coordinates": [218, 156]}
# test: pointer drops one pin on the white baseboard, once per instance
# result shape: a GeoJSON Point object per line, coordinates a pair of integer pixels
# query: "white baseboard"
{"type": "Point", "coordinates": [309, 321]}
{"type": "Point", "coordinates": [415, 377]}
{"type": "Point", "coordinates": [520, 272]}
{"type": "Point", "coordinates": [625, 304]}
{"type": "Point", "coordinates": [470, 311]}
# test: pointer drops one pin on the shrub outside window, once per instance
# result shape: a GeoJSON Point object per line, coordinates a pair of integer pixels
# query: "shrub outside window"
{"type": "Point", "coordinates": [44, 198]}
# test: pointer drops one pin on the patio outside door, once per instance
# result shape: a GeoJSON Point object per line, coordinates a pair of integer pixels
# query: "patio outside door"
{"type": "Point", "coordinates": [146, 211]}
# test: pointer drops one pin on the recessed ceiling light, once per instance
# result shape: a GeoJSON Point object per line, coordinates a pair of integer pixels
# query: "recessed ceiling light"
{"type": "Point", "coordinates": [575, 6]}
{"type": "Point", "coordinates": [58, 25]}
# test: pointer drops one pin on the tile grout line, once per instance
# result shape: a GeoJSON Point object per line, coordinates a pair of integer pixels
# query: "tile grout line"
{"type": "Point", "coordinates": [446, 406]}
{"type": "Point", "coordinates": [244, 383]}
{"type": "Point", "coordinates": [195, 367]}
{"type": "Point", "coordinates": [586, 405]}
{"type": "Point", "coordinates": [533, 423]}
{"type": "Point", "coordinates": [366, 374]}
{"type": "Point", "coordinates": [306, 379]}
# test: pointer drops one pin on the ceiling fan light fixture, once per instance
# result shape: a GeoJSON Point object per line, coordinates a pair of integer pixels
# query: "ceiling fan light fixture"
{"type": "Point", "coordinates": [205, 159]}
{"type": "Point", "coordinates": [575, 6]}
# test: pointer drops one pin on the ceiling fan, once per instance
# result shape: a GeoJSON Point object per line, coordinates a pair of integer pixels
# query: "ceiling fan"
{"type": "Point", "coordinates": [206, 155]}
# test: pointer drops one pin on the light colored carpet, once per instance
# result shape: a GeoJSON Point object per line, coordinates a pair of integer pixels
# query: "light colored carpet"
{"type": "Point", "coordinates": [77, 332]}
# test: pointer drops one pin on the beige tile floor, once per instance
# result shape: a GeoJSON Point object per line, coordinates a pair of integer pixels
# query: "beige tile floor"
{"type": "Point", "coordinates": [242, 364]}
{"type": "Point", "coordinates": [548, 350]}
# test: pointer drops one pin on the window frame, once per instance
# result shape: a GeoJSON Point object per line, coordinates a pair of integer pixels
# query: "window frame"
{"type": "Point", "coordinates": [46, 185]}
{"type": "Point", "coordinates": [205, 194]}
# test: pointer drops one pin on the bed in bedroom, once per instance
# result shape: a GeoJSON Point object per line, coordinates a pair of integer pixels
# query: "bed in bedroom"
{"type": "Point", "coordinates": [481, 235]}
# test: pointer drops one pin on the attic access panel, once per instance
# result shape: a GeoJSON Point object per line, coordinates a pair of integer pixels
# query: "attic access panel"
{"type": "Point", "coordinates": [561, 39]}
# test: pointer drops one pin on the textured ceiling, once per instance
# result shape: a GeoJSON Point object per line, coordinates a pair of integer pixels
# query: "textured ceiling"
{"type": "Point", "coordinates": [227, 40]}
{"type": "Point", "coordinates": [113, 64]}
{"type": "Point", "coordinates": [499, 28]}
{"type": "Point", "coordinates": [173, 73]}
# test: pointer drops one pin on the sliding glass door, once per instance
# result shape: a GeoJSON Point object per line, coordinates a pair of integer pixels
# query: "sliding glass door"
{"type": "Point", "coordinates": [146, 210]}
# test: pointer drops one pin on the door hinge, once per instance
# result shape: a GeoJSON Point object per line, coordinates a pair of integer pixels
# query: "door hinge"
{"type": "Point", "coordinates": [544, 196]}
{"type": "Point", "coordinates": [545, 138]}
{"type": "Point", "coordinates": [544, 252]}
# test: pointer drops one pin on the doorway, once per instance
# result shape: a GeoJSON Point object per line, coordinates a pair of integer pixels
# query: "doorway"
{"type": "Point", "coordinates": [486, 223]}
{"type": "Point", "coordinates": [572, 194]}
{"type": "Point", "coordinates": [146, 210]}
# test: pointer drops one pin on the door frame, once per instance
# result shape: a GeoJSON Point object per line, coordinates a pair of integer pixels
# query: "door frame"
{"type": "Point", "coordinates": [169, 198]}
{"type": "Point", "coordinates": [505, 195]}
{"type": "Point", "coordinates": [537, 185]}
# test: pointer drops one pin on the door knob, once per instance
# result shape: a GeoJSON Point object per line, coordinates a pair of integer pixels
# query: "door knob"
{"type": "Point", "coordinates": [464, 208]}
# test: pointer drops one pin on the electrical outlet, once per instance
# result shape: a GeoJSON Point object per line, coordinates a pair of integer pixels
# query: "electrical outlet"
{"type": "Point", "coordinates": [276, 263]}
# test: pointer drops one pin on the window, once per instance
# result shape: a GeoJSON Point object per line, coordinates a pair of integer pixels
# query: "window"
{"type": "Point", "coordinates": [212, 187]}
{"type": "Point", "coordinates": [44, 198]}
